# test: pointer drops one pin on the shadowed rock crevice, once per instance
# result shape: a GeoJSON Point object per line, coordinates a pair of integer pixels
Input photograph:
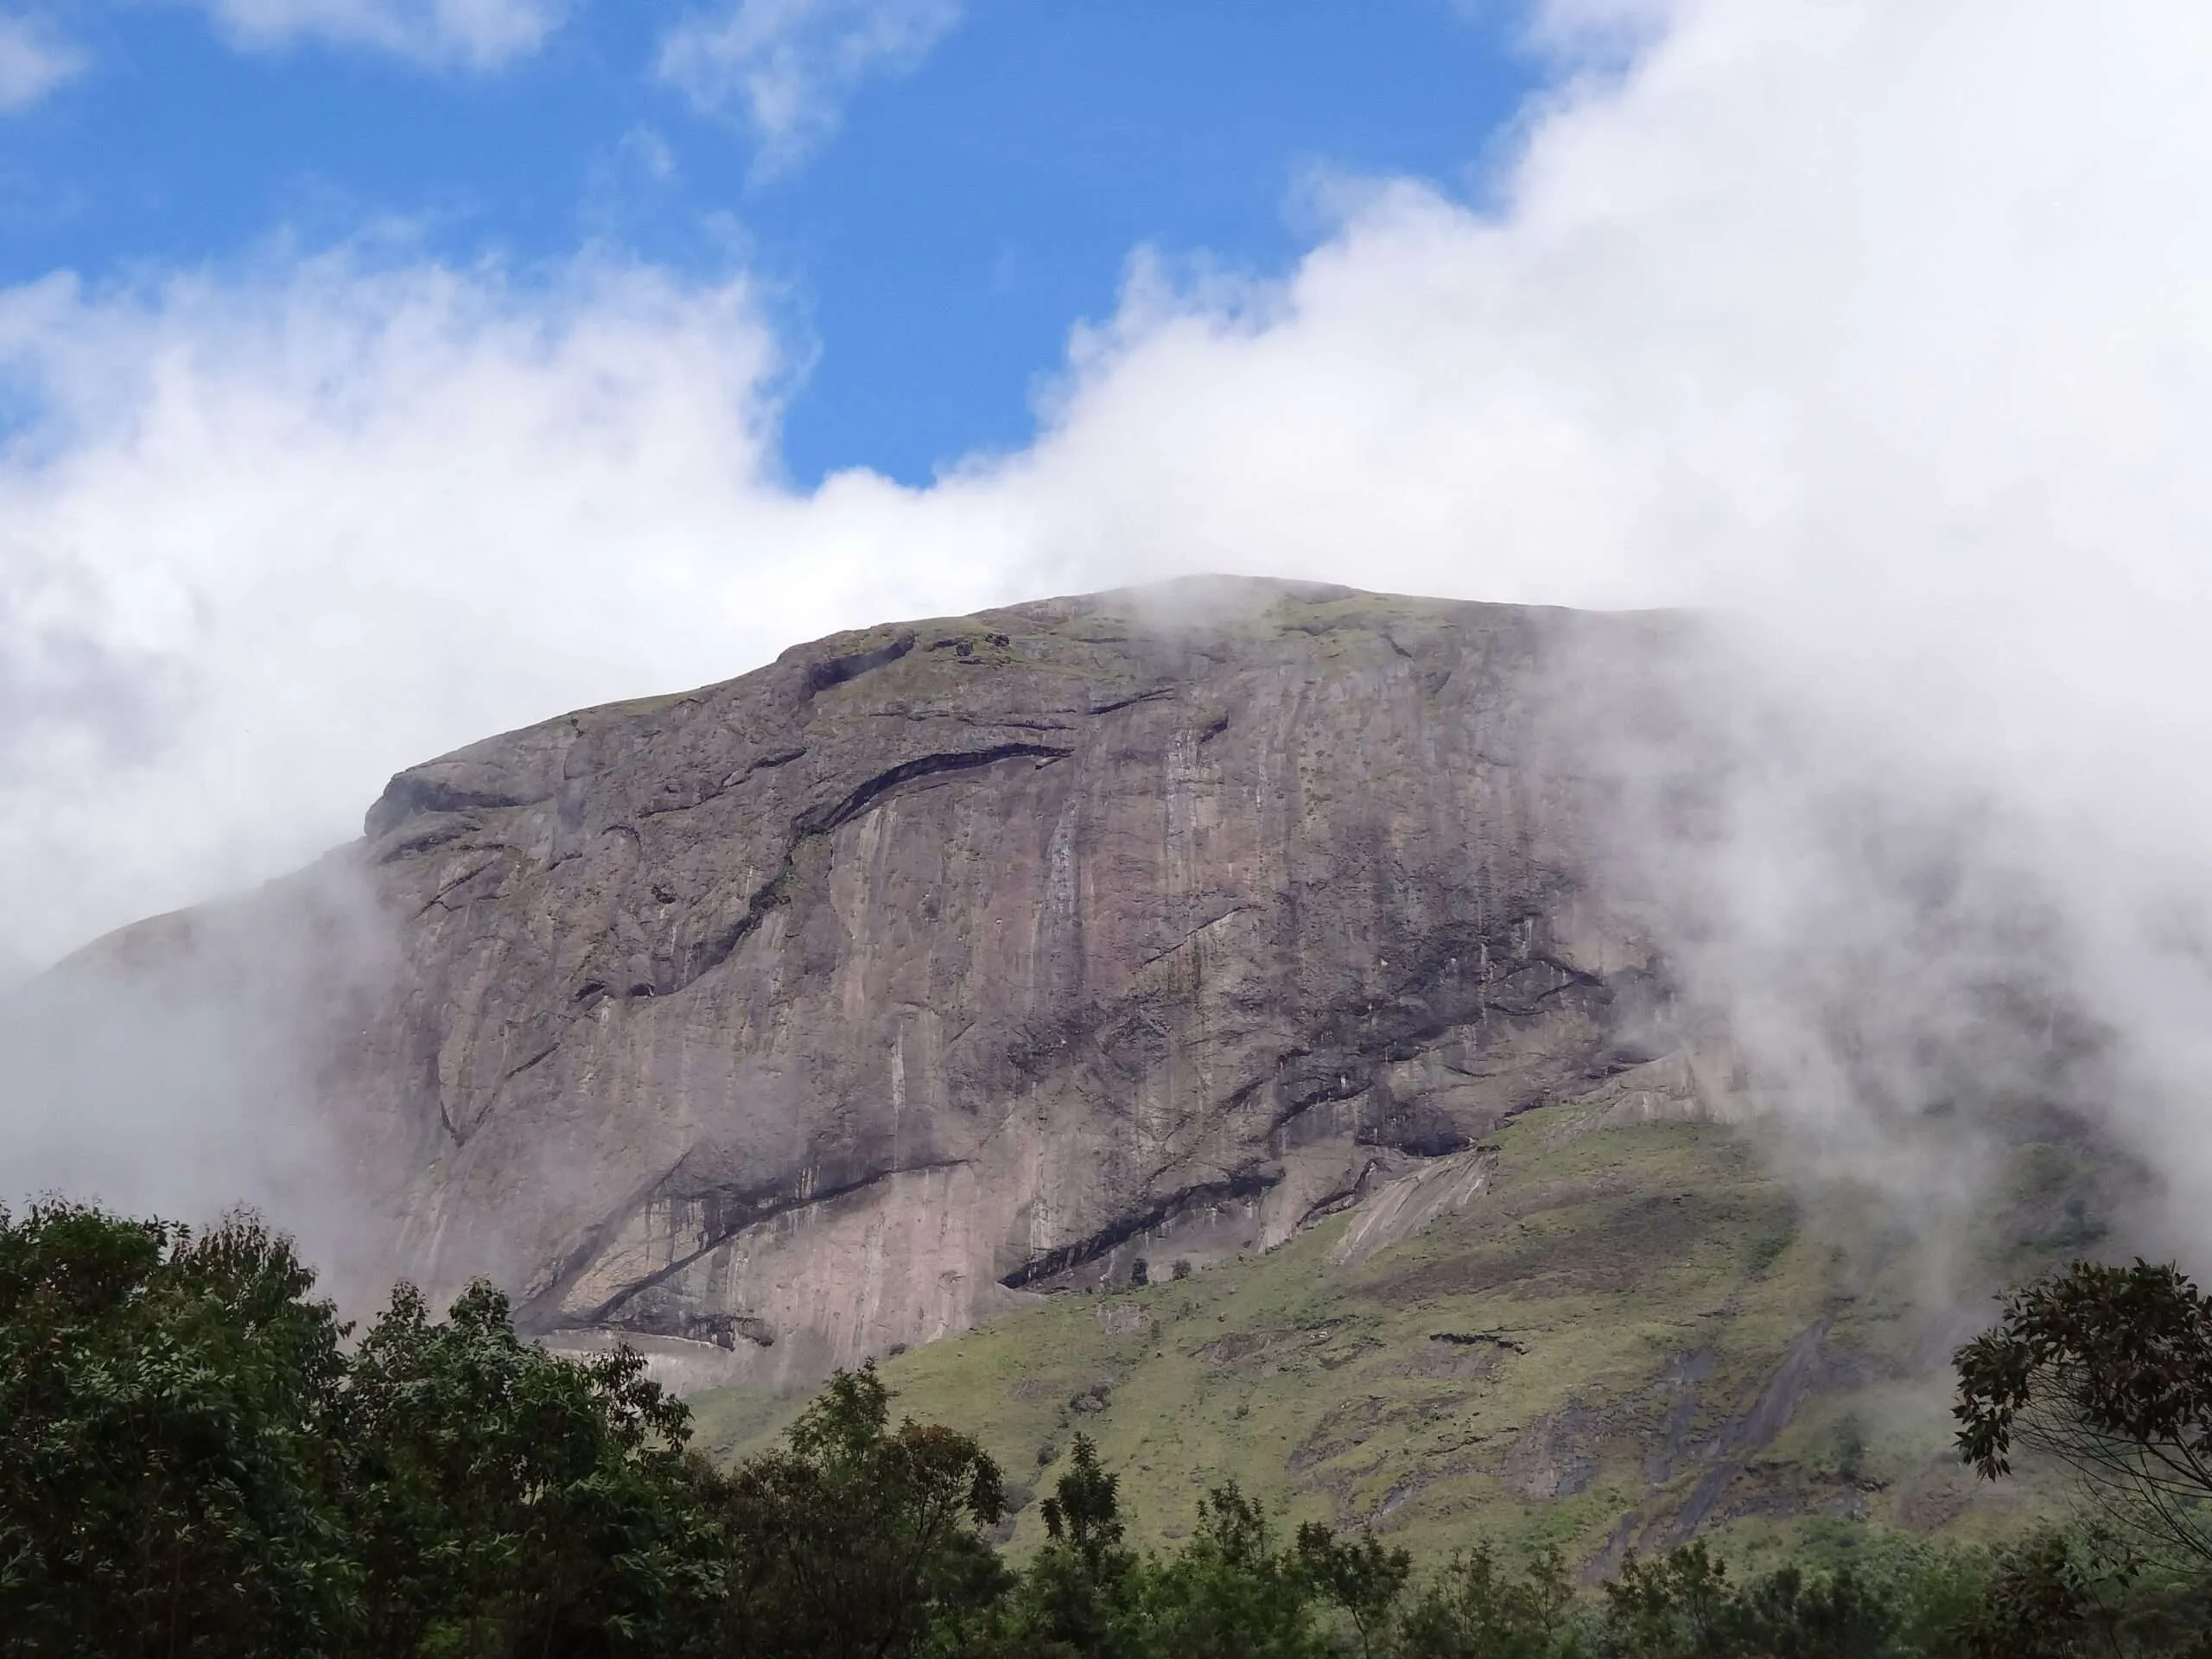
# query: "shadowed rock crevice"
{"type": "Point", "coordinates": [1102, 1243]}
{"type": "Point", "coordinates": [728, 1215]}
{"type": "Point", "coordinates": [827, 671]}
{"type": "Point", "coordinates": [868, 793]}
{"type": "Point", "coordinates": [822, 821]}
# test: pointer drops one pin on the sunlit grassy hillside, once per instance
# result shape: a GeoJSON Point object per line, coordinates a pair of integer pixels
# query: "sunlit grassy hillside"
{"type": "Point", "coordinates": [1636, 1333]}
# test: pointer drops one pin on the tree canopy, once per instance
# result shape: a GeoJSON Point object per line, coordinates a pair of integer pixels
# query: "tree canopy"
{"type": "Point", "coordinates": [199, 1459]}
{"type": "Point", "coordinates": [2109, 1369]}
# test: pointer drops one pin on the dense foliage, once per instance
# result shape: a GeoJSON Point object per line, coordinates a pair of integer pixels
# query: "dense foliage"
{"type": "Point", "coordinates": [2109, 1368]}
{"type": "Point", "coordinates": [197, 1458]}
{"type": "Point", "coordinates": [193, 1461]}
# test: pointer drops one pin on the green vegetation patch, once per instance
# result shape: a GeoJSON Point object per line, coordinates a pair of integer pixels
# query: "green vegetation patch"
{"type": "Point", "coordinates": [1637, 1335]}
{"type": "Point", "coordinates": [194, 1459]}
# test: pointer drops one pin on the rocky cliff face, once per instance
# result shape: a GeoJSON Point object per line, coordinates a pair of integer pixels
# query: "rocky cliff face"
{"type": "Point", "coordinates": [936, 967]}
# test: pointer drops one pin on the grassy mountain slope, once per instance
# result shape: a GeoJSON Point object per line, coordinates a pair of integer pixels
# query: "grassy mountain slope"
{"type": "Point", "coordinates": [1634, 1332]}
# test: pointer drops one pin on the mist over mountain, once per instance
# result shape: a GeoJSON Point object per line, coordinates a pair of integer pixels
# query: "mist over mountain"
{"type": "Point", "coordinates": [946, 964]}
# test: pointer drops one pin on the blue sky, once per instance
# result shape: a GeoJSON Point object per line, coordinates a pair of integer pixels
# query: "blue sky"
{"type": "Point", "coordinates": [925, 223]}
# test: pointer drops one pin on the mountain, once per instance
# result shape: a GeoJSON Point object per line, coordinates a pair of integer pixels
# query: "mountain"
{"type": "Point", "coordinates": [1207, 1016]}
{"type": "Point", "coordinates": [941, 966]}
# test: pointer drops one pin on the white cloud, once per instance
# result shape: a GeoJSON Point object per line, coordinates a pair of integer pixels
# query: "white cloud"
{"type": "Point", "coordinates": [33, 60]}
{"type": "Point", "coordinates": [466, 34]}
{"type": "Point", "coordinates": [280, 535]}
{"type": "Point", "coordinates": [788, 68]}
{"type": "Point", "coordinates": [1880, 326]}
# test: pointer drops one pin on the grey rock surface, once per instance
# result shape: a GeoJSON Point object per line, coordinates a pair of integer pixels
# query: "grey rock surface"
{"type": "Point", "coordinates": [942, 965]}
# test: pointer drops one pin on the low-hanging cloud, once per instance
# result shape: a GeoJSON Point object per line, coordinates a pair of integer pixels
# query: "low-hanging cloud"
{"type": "Point", "coordinates": [1876, 330]}
{"type": "Point", "coordinates": [277, 535]}
{"type": "Point", "coordinates": [463, 33]}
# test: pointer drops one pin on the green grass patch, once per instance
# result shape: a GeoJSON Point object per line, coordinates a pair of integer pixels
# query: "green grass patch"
{"type": "Point", "coordinates": [1573, 1354]}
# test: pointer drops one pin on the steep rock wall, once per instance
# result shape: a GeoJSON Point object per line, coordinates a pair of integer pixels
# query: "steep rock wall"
{"type": "Point", "coordinates": [942, 965]}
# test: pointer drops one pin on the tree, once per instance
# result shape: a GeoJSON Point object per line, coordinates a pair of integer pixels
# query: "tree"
{"type": "Point", "coordinates": [1362, 1578]}
{"type": "Point", "coordinates": [2040, 1600]}
{"type": "Point", "coordinates": [507, 1500]}
{"type": "Point", "coordinates": [1683, 1606]}
{"type": "Point", "coordinates": [1227, 1593]}
{"type": "Point", "coordinates": [1070, 1593]}
{"type": "Point", "coordinates": [1084, 1514]}
{"type": "Point", "coordinates": [191, 1463]}
{"type": "Point", "coordinates": [1475, 1610]}
{"type": "Point", "coordinates": [2109, 1368]}
{"type": "Point", "coordinates": [855, 1538]}
{"type": "Point", "coordinates": [166, 1471]}
{"type": "Point", "coordinates": [1789, 1615]}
